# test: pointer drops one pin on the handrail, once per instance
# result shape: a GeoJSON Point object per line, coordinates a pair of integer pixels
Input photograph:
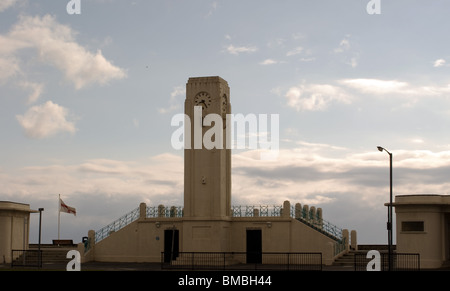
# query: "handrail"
{"type": "Point", "coordinates": [314, 221]}
{"type": "Point", "coordinates": [117, 225]}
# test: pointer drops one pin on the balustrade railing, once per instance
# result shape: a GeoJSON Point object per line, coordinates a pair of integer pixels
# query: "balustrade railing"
{"type": "Point", "coordinates": [311, 217]}
{"type": "Point", "coordinates": [117, 225]}
{"type": "Point", "coordinates": [242, 261]}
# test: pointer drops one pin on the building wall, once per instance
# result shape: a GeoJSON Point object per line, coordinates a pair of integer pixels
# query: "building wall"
{"type": "Point", "coordinates": [431, 242]}
{"type": "Point", "coordinates": [143, 240]}
{"type": "Point", "coordinates": [14, 229]}
{"type": "Point", "coordinates": [140, 241]}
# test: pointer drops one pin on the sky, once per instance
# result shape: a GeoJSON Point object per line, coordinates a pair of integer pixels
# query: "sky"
{"type": "Point", "coordinates": [86, 102]}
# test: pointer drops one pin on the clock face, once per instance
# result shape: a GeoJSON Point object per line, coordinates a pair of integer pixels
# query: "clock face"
{"type": "Point", "coordinates": [224, 104]}
{"type": "Point", "coordinates": [202, 99]}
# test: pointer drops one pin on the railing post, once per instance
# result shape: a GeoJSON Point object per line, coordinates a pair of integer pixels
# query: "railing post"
{"type": "Point", "coordinates": [286, 211]}
{"type": "Point", "coordinates": [345, 236]}
{"type": "Point", "coordinates": [354, 243]}
{"type": "Point", "coordinates": [142, 210]}
{"type": "Point", "coordinates": [298, 210]}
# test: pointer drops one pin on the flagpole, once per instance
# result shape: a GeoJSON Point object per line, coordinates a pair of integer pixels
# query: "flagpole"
{"type": "Point", "coordinates": [59, 212]}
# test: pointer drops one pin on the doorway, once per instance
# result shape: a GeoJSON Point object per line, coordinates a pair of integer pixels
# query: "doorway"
{"type": "Point", "coordinates": [254, 246]}
{"type": "Point", "coordinates": [171, 244]}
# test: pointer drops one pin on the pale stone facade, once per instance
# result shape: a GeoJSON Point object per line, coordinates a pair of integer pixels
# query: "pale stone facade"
{"type": "Point", "coordinates": [207, 223]}
{"type": "Point", "coordinates": [14, 228]}
{"type": "Point", "coordinates": [423, 227]}
{"type": "Point", "coordinates": [144, 239]}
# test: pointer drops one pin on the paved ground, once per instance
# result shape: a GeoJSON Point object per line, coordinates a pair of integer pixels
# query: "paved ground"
{"type": "Point", "coordinates": [101, 266]}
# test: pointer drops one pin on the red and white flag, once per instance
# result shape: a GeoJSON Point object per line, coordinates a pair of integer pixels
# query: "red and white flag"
{"type": "Point", "coordinates": [65, 208]}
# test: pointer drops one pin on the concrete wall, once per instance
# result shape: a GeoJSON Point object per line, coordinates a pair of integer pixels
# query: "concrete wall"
{"type": "Point", "coordinates": [14, 229]}
{"type": "Point", "coordinates": [143, 240]}
{"type": "Point", "coordinates": [433, 242]}
{"type": "Point", "coordinates": [428, 243]}
{"type": "Point", "coordinates": [140, 241]}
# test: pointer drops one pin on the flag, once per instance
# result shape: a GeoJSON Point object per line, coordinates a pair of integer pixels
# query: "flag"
{"type": "Point", "coordinates": [65, 208]}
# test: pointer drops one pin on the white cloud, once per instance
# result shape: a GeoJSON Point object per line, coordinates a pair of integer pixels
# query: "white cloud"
{"type": "Point", "coordinates": [151, 178]}
{"type": "Point", "coordinates": [9, 67]}
{"type": "Point", "coordinates": [376, 86]}
{"type": "Point", "coordinates": [56, 45]}
{"type": "Point", "coordinates": [46, 120]}
{"type": "Point", "coordinates": [354, 62]}
{"type": "Point", "coordinates": [296, 51]}
{"type": "Point", "coordinates": [392, 88]}
{"type": "Point", "coordinates": [268, 62]}
{"type": "Point", "coordinates": [345, 186]}
{"type": "Point", "coordinates": [241, 49]}
{"type": "Point", "coordinates": [347, 51]}
{"type": "Point", "coordinates": [5, 4]}
{"type": "Point", "coordinates": [174, 103]}
{"type": "Point", "coordinates": [35, 88]}
{"type": "Point", "coordinates": [439, 63]}
{"type": "Point", "coordinates": [311, 59]}
{"type": "Point", "coordinates": [315, 97]}
{"type": "Point", "coordinates": [344, 45]}
{"type": "Point", "coordinates": [212, 9]}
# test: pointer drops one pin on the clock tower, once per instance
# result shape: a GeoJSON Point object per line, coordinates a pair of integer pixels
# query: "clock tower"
{"type": "Point", "coordinates": [207, 169]}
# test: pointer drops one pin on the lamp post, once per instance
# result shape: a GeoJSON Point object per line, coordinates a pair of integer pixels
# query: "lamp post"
{"type": "Point", "coordinates": [39, 244]}
{"type": "Point", "coordinates": [389, 224]}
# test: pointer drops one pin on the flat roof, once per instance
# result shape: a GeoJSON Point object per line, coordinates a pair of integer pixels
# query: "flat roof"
{"type": "Point", "coordinates": [16, 206]}
{"type": "Point", "coordinates": [424, 199]}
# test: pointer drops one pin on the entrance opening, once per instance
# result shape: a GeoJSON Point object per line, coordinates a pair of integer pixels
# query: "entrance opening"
{"type": "Point", "coordinates": [254, 246]}
{"type": "Point", "coordinates": [171, 244]}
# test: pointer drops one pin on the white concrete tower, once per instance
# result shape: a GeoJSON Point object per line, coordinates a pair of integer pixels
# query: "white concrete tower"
{"type": "Point", "coordinates": [207, 161]}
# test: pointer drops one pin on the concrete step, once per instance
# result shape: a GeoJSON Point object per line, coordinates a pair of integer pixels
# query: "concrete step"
{"type": "Point", "coordinates": [347, 259]}
{"type": "Point", "coordinates": [49, 255]}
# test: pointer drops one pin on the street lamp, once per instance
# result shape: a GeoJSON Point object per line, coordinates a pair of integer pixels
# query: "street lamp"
{"type": "Point", "coordinates": [39, 244]}
{"type": "Point", "coordinates": [389, 224]}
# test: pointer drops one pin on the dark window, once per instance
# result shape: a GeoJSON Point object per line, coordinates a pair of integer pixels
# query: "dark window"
{"type": "Point", "coordinates": [412, 226]}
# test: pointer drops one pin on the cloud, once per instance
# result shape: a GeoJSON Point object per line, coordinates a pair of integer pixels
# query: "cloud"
{"type": "Point", "coordinates": [315, 97]}
{"type": "Point", "coordinates": [174, 103]}
{"type": "Point", "coordinates": [376, 86]}
{"type": "Point", "coordinates": [5, 4]}
{"type": "Point", "coordinates": [212, 9]}
{"type": "Point", "coordinates": [242, 49]}
{"type": "Point", "coordinates": [394, 88]}
{"type": "Point", "coordinates": [349, 54]}
{"type": "Point", "coordinates": [296, 51]}
{"type": "Point", "coordinates": [9, 67]}
{"type": "Point", "coordinates": [344, 45]}
{"type": "Point", "coordinates": [439, 63]}
{"type": "Point", "coordinates": [268, 62]}
{"type": "Point", "coordinates": [319, 97]}
{"type": "Point", "coordinates": [157, 176]}
{"type": "Point", "coordinates": [55, 44]}
{"type": "Point", "coordinates": [46, 120]}
{"type": "Point", "coordinates": [35, 88]}
{"type": "Point", "coordinates": [344, 185]}
{"type": "Point", "coordinates": [353, 62]}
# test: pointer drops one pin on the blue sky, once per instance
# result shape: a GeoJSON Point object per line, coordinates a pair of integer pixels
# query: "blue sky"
{"type": "Point", "coordinates": [86, 103]}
